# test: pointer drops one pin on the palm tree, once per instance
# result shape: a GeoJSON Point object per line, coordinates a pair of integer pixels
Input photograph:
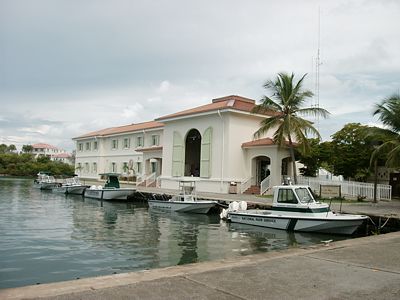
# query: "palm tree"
{"type": "Point", "coordinates": [286, 104]}
{"type": "Point", "coordinates": [389, 114]}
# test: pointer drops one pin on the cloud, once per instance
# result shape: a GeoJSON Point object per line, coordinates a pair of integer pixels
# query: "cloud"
{"type": "Point", "coordinates": [164, 86]}
{"type": "Point", "coordinates": [132, 111]}
{"type": "Point", "coordinates": [69, 68]}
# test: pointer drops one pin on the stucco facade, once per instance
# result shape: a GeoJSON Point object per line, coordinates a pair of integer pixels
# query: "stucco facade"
{"type": "Point", "coordinates": [214, 142]}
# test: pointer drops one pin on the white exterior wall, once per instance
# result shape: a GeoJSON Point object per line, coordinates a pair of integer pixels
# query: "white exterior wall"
{"type": "Point", "coordinates": [183, 126]}
{"type": "Point", "coordinates": [105, 155]}
{"type": "Point", "coordinates": [229, 161]}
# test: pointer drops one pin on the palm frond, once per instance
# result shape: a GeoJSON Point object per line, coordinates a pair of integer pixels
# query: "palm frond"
{"type": "Point", "coordinates": [267, 124]}
{"type": "Point", "coordinates": [393, 157]}
{"type": "Point", "coordinates": [389, 112]}
{"type": "Point", "coordinates": [314, 112]}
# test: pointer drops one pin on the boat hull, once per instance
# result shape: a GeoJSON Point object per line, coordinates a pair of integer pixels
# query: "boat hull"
{"type": "Point", "coordinates": [343, 224]}
{"type": "Point", "coordinates": [197, 207]}
{"type": "Point", "coordinates": [75, 190]}
{"type": "Point", "coordinates": [46, 185]}
{"type": "Point", "coordinates": [109, 194]}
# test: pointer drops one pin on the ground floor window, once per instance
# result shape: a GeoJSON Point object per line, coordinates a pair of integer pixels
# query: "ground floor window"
{"type": "Point", "coordinates": [139, 167]}
{"type": "Point", "coordinates": [113, 167]}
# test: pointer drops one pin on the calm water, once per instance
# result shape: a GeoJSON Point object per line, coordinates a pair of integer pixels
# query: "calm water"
{"type": "Point", "coordinates": [47, 237]}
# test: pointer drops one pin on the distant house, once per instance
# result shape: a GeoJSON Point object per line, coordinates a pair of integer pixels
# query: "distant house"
{"type": "Point", "coordinates": [63, 157]}
{"type": "Point", "coordinates": [53, 152]}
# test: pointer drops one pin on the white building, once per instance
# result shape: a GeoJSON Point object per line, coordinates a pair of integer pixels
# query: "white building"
{"type": "Point", "coordinates": [213, 142]}
{"type": "Point", "coordinates": [53, 152]}
{"type": "Point", "coordinates": [124, 149]}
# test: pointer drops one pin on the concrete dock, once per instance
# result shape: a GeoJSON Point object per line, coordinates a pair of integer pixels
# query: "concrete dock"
{"type": "Point", "coordinates": [362, 268]}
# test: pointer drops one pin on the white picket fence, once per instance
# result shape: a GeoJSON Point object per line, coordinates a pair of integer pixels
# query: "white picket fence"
{"type": "Point", "coordinates": [352, 189]}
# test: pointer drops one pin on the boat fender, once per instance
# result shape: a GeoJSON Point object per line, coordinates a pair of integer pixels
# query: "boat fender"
{"type": "Point", "coordinates": [233, 206]}
{"type": "Point", "coordinates": [224, 214]}
{"type": "Point", "coordinates": [242, 205]}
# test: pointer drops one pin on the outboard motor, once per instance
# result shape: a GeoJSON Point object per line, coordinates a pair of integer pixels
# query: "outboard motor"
{"type": "Point", "coordinates": [287, 180]}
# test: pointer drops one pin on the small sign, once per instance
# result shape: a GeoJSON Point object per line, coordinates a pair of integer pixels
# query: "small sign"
{"type": "Point", "coordinates": [330, 191]}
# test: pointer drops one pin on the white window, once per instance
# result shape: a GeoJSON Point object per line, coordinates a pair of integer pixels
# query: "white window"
{"type": "Point", "coordinates": [127, 143]}
{"type": "Point", "coordinates": [153, 167]}
{"type": "Point", "coordinates": [94, 167]}
{"type": "Point", "coordinates": [125, 167]}
{"type": "Point", "coordinates": [86, 167]}
{"type": "Point", "coordinates": [95, 145]}
{"type": "Point", "coordinates": [80, 147]}
{"type": "Point", "coordinates": [88, 146]}
{"type": "Point", "coordinates": [113, 167]}
{"type": "Point", "coordinates": [139, 167]}
{"type": "Point", "coordinates": [139, 141]}
{"type": "Point", "coordinates": [114, 144]}
{"type": "Point", "coordinates": [155, 139]}
{"type": "Point", "coordinates": [79, 167]}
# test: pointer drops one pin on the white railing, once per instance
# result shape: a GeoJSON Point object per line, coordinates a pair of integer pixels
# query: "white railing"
{"type": "Point", "coordinates": [139, 179]}
{"type": "Point", "coordinates": [244, 185]}
{"type": "Point", "coordinates": [351, 188]}
{"type": "Point", "coordinates": [158, 182]}
{"type": "Point", "coordinates": [150, 179]}
{"type": "Point", "coordinates": [265, 185]}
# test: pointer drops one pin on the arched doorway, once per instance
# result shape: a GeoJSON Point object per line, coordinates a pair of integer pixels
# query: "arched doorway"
{"type": "Point", "coordinates": [192, 153]}
{"type": "Point", "coordinates": [261, 167]}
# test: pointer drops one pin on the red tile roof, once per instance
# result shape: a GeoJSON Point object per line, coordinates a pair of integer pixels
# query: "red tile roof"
{"type": "Point", "coordinates": [229, 102]}
{"type": "Point", "coordinates": [122, 129]}
{"type": "Point", "coordinates": [261, 143]}
{"type": "Point", "coordinates": [44, 146]}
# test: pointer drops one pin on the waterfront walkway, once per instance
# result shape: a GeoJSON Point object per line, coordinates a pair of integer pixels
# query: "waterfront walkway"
{"type": "Point", "coordinates": [363, 268]}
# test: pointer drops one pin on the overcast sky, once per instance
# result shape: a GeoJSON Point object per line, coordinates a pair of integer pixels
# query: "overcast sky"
{"type": "Point", "coordinates": [70, 67]}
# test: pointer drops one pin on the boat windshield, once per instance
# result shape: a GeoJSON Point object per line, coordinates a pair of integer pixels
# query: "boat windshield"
{"type": "Point", "coordinates": [304, 195]}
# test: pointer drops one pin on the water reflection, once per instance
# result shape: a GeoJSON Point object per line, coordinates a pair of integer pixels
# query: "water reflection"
{"type": "Point", "coordinates": [262, 238]}
{"type": "Point", "coordinates": [50, 237]}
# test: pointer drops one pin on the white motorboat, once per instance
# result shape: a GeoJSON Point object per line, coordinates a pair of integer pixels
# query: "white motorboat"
{"type": "Point", "coordinates": [186, 201]}
{"type": "Point", "coordinates": [71, 186]}
{"type": "Point", "coordinates": [45, 181]}
{"type": "Point", "coordinates": [110, 191]}
{"type": "Point", "coordinates": [295, 209]}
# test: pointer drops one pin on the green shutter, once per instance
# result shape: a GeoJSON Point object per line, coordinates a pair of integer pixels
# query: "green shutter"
{"type": "Point", "coordinates": [177, 155]}
{"type": "Point", "coordinates": [205, 159]}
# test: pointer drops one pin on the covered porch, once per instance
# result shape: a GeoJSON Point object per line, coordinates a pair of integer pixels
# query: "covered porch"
{"type": "Point", "coordinates": [266, 166]}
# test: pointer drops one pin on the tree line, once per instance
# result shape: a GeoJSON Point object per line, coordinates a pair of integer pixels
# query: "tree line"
{"type": "Point", "coordinates": [26, 164]}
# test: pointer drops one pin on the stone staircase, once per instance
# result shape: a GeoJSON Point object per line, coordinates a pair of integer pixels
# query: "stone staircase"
{"type": "Point", "coordinates": [253, 190]}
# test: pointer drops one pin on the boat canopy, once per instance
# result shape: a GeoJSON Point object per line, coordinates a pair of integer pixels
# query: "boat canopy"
{"type": "Point", "coordinates": [112, 180]}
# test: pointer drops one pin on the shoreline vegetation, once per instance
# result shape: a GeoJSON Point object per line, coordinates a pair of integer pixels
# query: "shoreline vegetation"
{"type": "Point", "coordinates": [26, 165]}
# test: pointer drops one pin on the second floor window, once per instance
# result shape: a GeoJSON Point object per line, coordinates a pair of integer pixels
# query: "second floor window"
{"type": "Point", "coordinates": [80, 147]}
{"type": "Point", "coordinates": [88, 146]}
{"type": "Point", "coordinates": [95, 145]}
{"type": "Point", "coordinates": [139, 141]}
{"type": "Point", "coordinates": [155, 139]}
{"type": "Point", "coordinates": [114, 144]}
{"type": "Point", "coordinates": [126, 143]}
